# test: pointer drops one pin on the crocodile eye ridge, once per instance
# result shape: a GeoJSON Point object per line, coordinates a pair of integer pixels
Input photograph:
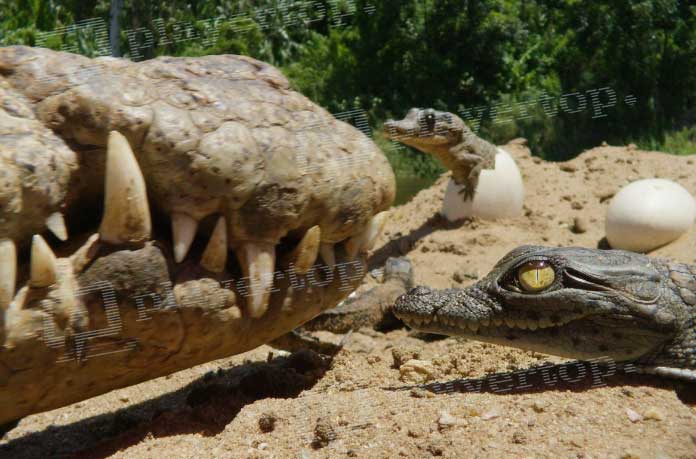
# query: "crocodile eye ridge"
{"type": "Point", "coordinates": [535, 276]}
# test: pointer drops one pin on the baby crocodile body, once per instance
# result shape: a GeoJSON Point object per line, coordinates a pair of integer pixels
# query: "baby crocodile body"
{"type": "Point", "coordinates": [573, 302]}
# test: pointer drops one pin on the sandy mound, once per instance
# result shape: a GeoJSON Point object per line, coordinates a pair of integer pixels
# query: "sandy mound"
{"type": "Point", "coordinates": [359, 405]}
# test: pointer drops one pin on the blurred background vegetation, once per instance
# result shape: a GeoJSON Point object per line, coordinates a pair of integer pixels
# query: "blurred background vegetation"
{"type": "Point", "coordinates": [478, 57]}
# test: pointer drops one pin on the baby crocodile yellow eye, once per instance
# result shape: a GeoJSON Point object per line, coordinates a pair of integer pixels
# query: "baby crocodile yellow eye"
{"type": "Point", "coordinates": [535, 276]}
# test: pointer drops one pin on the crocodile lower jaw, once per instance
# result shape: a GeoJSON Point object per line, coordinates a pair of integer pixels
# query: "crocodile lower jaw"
{"type": "Point", "coordinates": [492, 326]}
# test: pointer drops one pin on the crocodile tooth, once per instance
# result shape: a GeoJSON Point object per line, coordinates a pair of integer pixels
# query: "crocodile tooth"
{"type": "Point", "coordinates": [214, 257]}
{"type": "Point", "coordinates": [485, 322]}
{"type": "Point", "coordinates": [497, 322]}
{"type": "Point", "coordinates": [545, 322]}
{"type": "Point", "coordinates": [8, 272]}
{"type": "Point", "coordinates": [510, 322]}
{"type": "Point", "coordinates": [43, 263]}
{"type": "Point", "coordinates": [521, 323]}
{"type": "Point", "coordinates": [56, 224]}
{"type": "Point", "coordinates": [85, 254]}
{"type": "Point", "coordinates": [533, 325]}
{"type": "Point", "coordinates": [184, 229]}
{"type": "Point", "coordinates": [366, 238]}
{"type": "Point", "coordinates": [472, 325]}
{"type": "Point", "coordinates": [353, 245]}
{"type": "Point", "coordinates": [126, 211]}
{"type": "Point", "coordinates": [305, 254]}
{"type": "Point", "coordinates": [374, 229]}
{"type": "Point", "coordinates": [258, 261]}
{"type": "Point", "coordinates": [326, 250]}
{"type": "Point", "coordinates": [436, 318]}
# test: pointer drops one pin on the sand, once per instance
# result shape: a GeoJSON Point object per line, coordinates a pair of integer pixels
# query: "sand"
{"type": "Point", "coordinates": [365, 401]}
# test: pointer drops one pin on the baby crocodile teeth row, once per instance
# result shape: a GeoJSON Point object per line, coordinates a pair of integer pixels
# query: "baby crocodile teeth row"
{"type": "Point", "coordinates": [526, 324]}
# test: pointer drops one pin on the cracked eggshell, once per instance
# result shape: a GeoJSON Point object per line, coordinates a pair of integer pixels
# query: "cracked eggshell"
{"type": "Point", "coordinates": [647, 214]}
{"type": "Point", "coordinates": [499, 194]}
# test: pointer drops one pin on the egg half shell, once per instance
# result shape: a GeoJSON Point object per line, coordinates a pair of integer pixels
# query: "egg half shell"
{"type": "Point", "coordinates": [499, 194]}
{"type": "Point", "coordinates": [647, 214]}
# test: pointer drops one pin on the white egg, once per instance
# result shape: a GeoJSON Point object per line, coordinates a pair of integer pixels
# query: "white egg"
{"type": "Point", "coordinates": [647, 214]}
{"type": "Point", "coordinates": [499, 194]}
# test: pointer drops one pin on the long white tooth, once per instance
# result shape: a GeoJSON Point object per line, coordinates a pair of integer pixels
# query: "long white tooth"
{"type": "Point", "coordinates": [215, 255]}
{"type": "Point", "coordinates": [43, 263]}
{"type": "Point", "coordinates": [366, 239]}
{"type": "Point", "coordinates": [56, 224]}
{"type": "Point", "coordinates": [374, 229]}
{"type": "Point", "coordinates": [258, 261]}
{"type": "Point", "coordinates": [184, 229]}
{"type": "Point", "coordinates": [305, 254]}
{"type": "Point", "coordinates": [8, 272]}
{"type": "Point", "coordinates": [326, 250]}
{"type": "Point", "coordinates": [126, 210]}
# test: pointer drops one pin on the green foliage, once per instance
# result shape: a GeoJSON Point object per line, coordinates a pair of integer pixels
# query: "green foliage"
{"type": "Point", "coordinates": [681, 142]}
{"type": "Point", "coordinates": [457, 55]}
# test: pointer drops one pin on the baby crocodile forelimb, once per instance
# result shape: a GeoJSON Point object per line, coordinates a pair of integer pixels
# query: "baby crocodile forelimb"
{"type": "Point", "coordinates": [573, 302]}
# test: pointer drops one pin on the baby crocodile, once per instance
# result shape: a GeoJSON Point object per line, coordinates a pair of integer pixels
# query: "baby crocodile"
{"type": "Point", "coordinates": [573, 302]}
{"type": "Point", "coordinates": [449, 139]}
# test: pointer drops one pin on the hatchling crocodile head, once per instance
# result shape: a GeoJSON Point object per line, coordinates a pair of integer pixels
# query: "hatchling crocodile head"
{"type": "Point", "coordinates": [427, 129]}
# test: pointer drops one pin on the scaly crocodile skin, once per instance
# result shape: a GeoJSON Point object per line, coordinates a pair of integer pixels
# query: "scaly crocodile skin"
{"type": "Point", "coordinates": [601, 303]}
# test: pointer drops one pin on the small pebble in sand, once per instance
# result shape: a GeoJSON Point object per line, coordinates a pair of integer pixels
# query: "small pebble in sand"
{"type": "Point", "coordinates": [447, 421]}
{"type": "Point", "coordinates": [519, 438]}
{"type": "Point", "coordinates": [633, 416]}
{"type": "Point", "coordinates": [579, 225]}
{"type": "Point", "coordinates": [419, 392]}
{"type": "Point", "coordinates": [491, 414]}
{"type": "Point", "coordinates": [654, 414]}
{"type": "Point", "coordinates": [436, 447]}
{"type": "Point", "coordinates": [402, 355]}
{"type": "Point", "coordinates": [567, 167]}
{"type": "Point", "coordinates": [267, 422]}
{"type": "Point", "coordinates": [417, 371]}
{"type": "Point", "coordinates": [539, 406]}
{"type": "Point", "coordinates": [323, 433]}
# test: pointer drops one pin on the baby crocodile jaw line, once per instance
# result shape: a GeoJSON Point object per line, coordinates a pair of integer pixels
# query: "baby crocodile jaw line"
{"type": "Point", "coordinates": [459, 325]}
